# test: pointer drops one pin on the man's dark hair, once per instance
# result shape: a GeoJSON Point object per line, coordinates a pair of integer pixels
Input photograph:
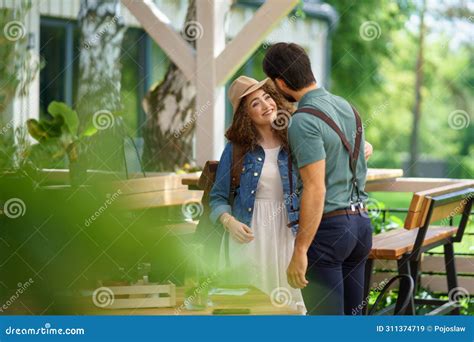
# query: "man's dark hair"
{"type": "Point", "coordinates": [289, 62]}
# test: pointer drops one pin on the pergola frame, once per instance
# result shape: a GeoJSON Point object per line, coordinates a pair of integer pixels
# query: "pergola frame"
{"type": "Point", "coordinates": [213, 62]}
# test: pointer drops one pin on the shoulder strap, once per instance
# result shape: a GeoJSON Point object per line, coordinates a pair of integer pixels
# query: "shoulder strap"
{"type": "Point", "coordinates": [353, 154]}
{"type": "Point", "coordinates": [208, 176]}
{"type": "Point", "coordinates": [237, 162]}
{"type": "Point", "coordinates": [358, 137]}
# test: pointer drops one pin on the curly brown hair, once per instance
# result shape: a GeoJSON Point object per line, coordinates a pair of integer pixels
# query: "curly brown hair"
{"type": "Point", "coordinates": [243, 132]}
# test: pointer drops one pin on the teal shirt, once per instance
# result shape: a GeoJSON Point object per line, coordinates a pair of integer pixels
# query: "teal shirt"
{"type": "Point", "coordinates": [311, 139]}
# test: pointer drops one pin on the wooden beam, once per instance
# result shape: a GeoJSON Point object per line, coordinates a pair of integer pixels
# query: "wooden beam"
{"type": "Point", "coordinates": [250, 37]}
{"type": "Point", "coordinates": [158, 199]}
{"type": "Point", "coordinates": [410, 184]}
{"type": "Point", "coordinates": [147, 184]}
{"type": "Point", "coordinates": [383, 174]}
{"type": "Point", "coordinates": [210, 99]}
{"type": "Point", "coordinates": [157, 25]}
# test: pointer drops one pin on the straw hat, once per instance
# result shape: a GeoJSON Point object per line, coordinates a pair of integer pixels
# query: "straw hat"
{"type": "Point", "coordinates": [241, 87]}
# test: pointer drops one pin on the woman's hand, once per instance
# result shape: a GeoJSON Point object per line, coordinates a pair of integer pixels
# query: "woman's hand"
{"type": "Point", "coordinates": [368, 150]}
{"type": "Point", "coordinates": [240, 232]}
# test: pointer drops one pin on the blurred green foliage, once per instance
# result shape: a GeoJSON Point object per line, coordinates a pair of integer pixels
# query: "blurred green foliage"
{"type": "Point", "coordinates": [58, 136]}
{"type": "Point", "coordinates": [378, 76]}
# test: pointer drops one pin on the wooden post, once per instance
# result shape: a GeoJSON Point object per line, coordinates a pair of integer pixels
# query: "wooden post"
{"type": "Point", "coordinates": [210, 101]}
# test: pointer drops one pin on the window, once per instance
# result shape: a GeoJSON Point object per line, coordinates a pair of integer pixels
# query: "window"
{"type": "Point", "coordinates": [57, 49]}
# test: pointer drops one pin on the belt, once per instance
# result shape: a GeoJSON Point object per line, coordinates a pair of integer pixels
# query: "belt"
{"type": "Point", "coordinates": [334, 213]}
{"type": "Point", "coordinates": [344, 212]}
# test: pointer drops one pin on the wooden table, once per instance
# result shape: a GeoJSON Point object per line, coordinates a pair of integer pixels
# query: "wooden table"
{"type": "Point", "coordinates": [373, 175]}
{"type": "Point", "coordinates": [255, 300]}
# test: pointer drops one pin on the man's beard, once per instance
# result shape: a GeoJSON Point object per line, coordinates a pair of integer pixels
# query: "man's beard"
{"type": "Point", "coordinates": [287, 97]}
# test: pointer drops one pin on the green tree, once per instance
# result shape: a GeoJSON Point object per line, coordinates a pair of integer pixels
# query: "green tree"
{"type": "Point", "coordinates": [363, 36]}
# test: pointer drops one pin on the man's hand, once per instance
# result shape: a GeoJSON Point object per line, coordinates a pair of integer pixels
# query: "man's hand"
{"type": "Point", "coordinates": [297, 270]}
{"type": "Point", "coordinates": [311, 211]}
{"type": "Point", "coordinates": [368, 150]}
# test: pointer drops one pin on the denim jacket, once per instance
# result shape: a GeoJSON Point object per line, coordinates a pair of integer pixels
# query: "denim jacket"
{"type": "Point", "coordinates": [244, 199]}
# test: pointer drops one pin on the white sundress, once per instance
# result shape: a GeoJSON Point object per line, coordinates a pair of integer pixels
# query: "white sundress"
{"type": "Point", "coordinates": [263, 261]}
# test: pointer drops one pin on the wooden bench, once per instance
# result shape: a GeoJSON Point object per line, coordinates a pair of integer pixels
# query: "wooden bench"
{"type": "Point", "coordinates": [406, 246]}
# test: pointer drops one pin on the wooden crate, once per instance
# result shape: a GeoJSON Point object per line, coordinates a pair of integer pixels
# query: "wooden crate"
{"type": "Point", "coordinates": [135, 296]}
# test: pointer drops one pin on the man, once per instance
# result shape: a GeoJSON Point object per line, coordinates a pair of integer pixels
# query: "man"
{"type": "Point", "coordinates": [335, 234]}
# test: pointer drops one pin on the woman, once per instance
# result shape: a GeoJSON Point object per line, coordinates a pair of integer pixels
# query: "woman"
{"type": "Point", "coordinates": [261, 244]}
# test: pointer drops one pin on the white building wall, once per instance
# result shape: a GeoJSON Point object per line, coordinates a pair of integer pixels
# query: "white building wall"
{"type": "Point", "coordinates": [68, 9]}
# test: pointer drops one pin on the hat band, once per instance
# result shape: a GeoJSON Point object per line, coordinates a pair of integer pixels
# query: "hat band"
{"type": "Point", "coordinates": [248, 88]}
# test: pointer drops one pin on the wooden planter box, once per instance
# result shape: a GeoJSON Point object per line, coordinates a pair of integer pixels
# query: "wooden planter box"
{"type": "Point", "coordinates": [135, 296]}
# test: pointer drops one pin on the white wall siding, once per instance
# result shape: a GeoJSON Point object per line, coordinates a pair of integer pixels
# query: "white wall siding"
{"type": "Point", "coordinates": [308, 32]}
{"type": "Point", "coordinates": [69, 9]}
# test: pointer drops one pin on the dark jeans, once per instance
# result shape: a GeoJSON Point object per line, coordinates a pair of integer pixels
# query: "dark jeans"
{"type": "Point", "coordinates": [336, 264]}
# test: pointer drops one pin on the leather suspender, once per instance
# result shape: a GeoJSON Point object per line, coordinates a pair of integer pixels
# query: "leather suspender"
{"type": "Point", "coordinates": [353, 154]}
{"type": "Point", "coordinates": [290, 178]}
